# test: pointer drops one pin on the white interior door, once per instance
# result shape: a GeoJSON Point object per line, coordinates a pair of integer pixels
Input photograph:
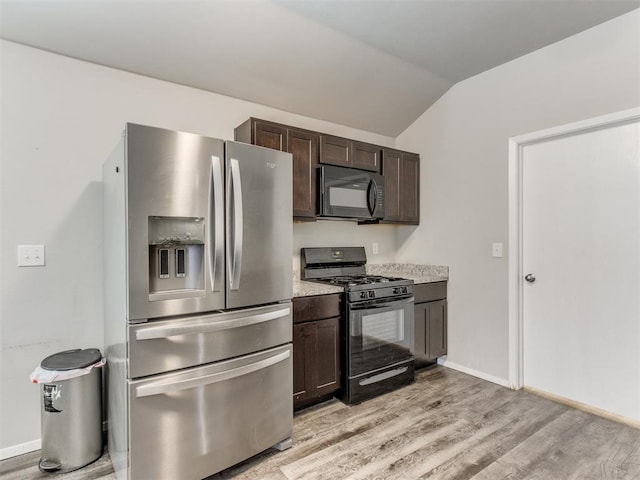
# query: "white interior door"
{"type": "Point", "coordinates": [581, 242]}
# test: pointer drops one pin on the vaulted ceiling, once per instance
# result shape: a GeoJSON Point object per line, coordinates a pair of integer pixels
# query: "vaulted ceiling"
{"type": "Point", "coordinates": [371, 64]}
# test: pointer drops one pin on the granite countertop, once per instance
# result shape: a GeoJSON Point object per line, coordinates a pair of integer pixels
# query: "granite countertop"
{"type": "Point", "coordinates": [308, 289]}
{"type": "Point", "coordinates": [410, 271]}
{"type": "Point", "coordinates": [417, 273]}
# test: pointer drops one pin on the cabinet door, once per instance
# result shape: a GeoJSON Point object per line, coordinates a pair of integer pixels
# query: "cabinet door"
{"type": "Point", "coordinates": [391, 171]}
{"type": "Point", "coordinates": [303, 146]}
{"type": "Point", "coordinates": [316, 359]}
{"type": "Point", "coordinates": [335, 151]}
{"type": "Point", "coordinates": [421, 313]}
{"type": "Point", "coordinates": [410, 188]}
{"type": "Point", "coordinates": [300, 363]}
{"type": "Point", "coordinates": [270, 135]}
{"type": "Point", "coordinates": [401, 171]}
{"type": "Point", "coordinates": [430, 330]}
{"type": "Point", "coordinates": [437, 335]}
{"type": "Point", "coordinates": [327, 362]}
{"type": "Point", "coordinates": [366, 156]}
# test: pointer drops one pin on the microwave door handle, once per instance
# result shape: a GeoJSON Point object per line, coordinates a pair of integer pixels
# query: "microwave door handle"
{"type": "Point", "coordinates": [371, 196]}
{"type": "Point", "coordinates": [216, 223]}
{"type": "Point", "coordinates": [234, 215]}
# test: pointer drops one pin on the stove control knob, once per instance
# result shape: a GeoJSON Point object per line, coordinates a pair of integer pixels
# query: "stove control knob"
{"type": "Point", "coordinates": [404, 290]}
{"type": "Point", "coordinates": [363, 294]}
{"type": "Point", "coordinates": [396, 290]}
{"type": "Point", "coordinates": [372, 293]}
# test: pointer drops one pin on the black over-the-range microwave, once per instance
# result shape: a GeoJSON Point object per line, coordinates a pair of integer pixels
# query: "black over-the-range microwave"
{"type": "Point", "coordinates": [350, 193]}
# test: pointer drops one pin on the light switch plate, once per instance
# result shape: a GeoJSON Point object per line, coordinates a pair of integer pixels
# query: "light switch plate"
{"type": "Point", "coordinates": [31, 255]}
{"type": "Point", "coordinates": [374, 248]}
{"type": "Point", "coordinates": [496, 250]}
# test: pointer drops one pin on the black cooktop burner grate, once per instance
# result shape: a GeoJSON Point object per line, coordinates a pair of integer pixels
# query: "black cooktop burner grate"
{"type": "Point", "coordinates": [353, 280]}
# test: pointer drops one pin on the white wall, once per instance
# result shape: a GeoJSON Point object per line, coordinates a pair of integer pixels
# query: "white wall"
{"type": "Point", "coordinates": [463, 140]}
{"type": "Point", "coordinates": [345, 234]}
{"type": "Point", "coordinates": [60, 119]}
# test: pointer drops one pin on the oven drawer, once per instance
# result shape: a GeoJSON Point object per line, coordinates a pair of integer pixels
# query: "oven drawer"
{"type": "Point", "coordinates": [374, 383]}
{"type": "Point", "coordinates": [197, 422]}
{"type": "Point", "coordinates": [163, 346]}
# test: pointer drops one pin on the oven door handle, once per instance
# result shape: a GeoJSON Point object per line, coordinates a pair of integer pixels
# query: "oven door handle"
{"type": "Point", "coordinates": [381, 304]}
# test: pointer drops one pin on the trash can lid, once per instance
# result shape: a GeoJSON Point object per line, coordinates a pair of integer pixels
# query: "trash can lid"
{"type": "Point", "coordinates": [71, 359]}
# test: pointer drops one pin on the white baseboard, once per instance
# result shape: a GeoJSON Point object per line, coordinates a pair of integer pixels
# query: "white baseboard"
{"type": "Point", "coordinates": [632, 422]}
{"type": "Point", "coordinates": [470, 371]}
{"type": "Point", "coordinates": [16, 450]}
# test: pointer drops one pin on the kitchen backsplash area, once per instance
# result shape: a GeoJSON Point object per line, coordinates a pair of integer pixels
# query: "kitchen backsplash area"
{"type": "Point", "coordinates": [324, 233]}
{"type": "Point", "coordinates": [417, 273]}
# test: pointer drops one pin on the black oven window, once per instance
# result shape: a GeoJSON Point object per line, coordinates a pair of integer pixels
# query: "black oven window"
{"type": "Point", "coordinates": [383, 327]}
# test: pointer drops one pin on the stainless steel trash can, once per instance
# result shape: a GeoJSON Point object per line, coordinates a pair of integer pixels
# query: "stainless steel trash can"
{"type": "Point", "coordinates": [71, 414]}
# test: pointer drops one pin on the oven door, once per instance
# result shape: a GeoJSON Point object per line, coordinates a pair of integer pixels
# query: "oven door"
{"type": "Point", "coordinates": [380, 334]}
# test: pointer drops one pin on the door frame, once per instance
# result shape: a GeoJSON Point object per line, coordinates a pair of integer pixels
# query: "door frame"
{"type": "Point", "coordinates": [515, 256]}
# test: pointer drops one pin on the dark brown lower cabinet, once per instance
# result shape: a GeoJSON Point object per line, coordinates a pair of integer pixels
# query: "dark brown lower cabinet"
{"type": "Point", "coordinates": [316, 349]}
{"type": "Point", "coordinates": [430, 321]}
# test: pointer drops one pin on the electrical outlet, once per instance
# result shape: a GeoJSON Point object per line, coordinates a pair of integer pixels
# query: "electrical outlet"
{"type": "Point", "coordinates": [496, 250]}
{"type": "Point", "coordinates": [30, 255]}
{"type": "Point", "coordinates": [374, 248]}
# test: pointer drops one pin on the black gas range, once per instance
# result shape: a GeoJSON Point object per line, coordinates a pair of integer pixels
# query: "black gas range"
{"type": "Point", "coordinates": [377, 337]}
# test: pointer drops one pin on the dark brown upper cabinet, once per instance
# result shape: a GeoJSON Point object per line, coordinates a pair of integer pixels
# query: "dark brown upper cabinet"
{"type": "Point", "coordinates": [270, 135]}
{"type": "Point", "coordinates": [349, 153]}
{"type": "Point", "coordinates": [366, 156]}
{"type": "Point", "coordinates": [336, 151]}
{"type": "Point", "coordinates": [401, 172]}
{"type": "Point", "coordinates": [303, 146]}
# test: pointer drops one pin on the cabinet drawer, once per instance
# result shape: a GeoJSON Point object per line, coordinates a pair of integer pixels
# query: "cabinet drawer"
{"type": "Point", "coordinates": [428, 292]}
{"type": "Point", "coordinates": [315, 308]}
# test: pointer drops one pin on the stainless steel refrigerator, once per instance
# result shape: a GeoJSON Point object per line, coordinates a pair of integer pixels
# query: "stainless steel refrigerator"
{"type": "Point", "coordinates": [197, 303]}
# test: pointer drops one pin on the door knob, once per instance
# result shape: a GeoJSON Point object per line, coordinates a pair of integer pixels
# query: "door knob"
{"type": "Point", "coordinates": [529, 277]}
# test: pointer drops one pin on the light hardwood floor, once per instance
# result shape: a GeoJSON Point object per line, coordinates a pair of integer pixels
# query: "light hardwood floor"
{"type": "Point", "coordinates": [447, 425]}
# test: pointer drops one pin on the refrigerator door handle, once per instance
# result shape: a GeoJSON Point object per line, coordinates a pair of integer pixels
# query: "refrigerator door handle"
{"type": "Point", "coordinates": [234, 217]}
{"type": "Point", "coordinates": [153, 333]}
{"type": "Point", "coordinates": [163, 387]}
{"type": "Point", "coordinates": [216, 223]}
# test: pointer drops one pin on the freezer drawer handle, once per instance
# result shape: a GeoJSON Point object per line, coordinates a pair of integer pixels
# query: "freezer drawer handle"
{"type": "Point", "coordinates": [161, 388]}
{"type": "Point", "coordinates": [152, 333]}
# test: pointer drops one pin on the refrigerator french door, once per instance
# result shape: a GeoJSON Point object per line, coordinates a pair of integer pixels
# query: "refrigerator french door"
{"type": "Point", "coordinates": [222, 207]}
{"type": "Point", "coordinates": [197, 237]}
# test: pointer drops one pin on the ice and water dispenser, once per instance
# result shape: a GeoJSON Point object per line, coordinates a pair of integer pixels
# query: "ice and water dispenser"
{"type": "Point", "coordinates": [176, 254]}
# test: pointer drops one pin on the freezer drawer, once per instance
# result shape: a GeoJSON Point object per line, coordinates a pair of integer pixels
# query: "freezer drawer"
{"type": "Point", "coordinates": [194, 423]}
{"type": "Point", "coordinates": [167, 345]}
